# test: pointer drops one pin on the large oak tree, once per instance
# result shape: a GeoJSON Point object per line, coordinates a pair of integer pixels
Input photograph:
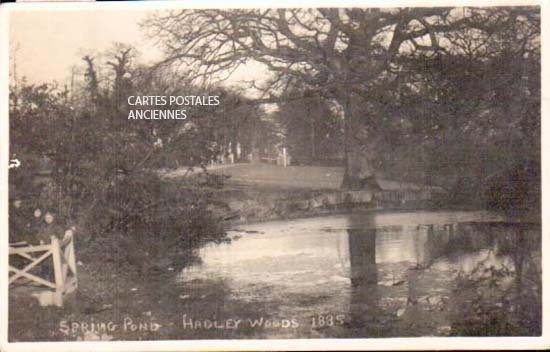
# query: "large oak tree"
{"type": "Point", "coordinates": [350, 55]}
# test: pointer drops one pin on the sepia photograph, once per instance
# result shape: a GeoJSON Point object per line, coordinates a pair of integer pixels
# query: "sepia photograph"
{"type": "Point", "coordinates": [302, 173]}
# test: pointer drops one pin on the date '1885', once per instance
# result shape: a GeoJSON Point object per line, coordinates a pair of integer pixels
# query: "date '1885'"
{"type": "Point", "coordinates": [327, 320]}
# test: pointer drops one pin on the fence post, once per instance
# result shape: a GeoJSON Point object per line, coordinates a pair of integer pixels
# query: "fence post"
{"type": "Point", "coordinates": [71, 260]}
{"type": "Point", "coordinates": [58, 271]}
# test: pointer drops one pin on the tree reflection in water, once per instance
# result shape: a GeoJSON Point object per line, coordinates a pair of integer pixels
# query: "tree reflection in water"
{"type": "Point", "coordinates": [380, 275]}
{"type": "Point", "coordinates": [470, 278]}
{"type": "Point", "coordinates": [362, 247]}
{"type": "Point", "coordinates": [364, 278]}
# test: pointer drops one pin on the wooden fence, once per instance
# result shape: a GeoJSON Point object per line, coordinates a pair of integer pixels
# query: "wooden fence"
{"type": "Point", "coordinates": [64, 265]}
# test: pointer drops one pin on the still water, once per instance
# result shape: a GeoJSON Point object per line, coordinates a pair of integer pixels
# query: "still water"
{"type": "Point", "coordinates": [371, 275]}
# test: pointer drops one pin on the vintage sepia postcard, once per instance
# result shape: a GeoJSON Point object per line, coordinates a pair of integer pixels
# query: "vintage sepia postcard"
{"type": "Point", "coordinates": [308, 175]}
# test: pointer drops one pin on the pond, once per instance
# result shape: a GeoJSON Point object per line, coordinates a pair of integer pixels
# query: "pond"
{"type": "Point", "coordinates": [369, 275]}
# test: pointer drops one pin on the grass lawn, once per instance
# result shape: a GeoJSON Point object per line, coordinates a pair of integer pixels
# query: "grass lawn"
{"type": "Point", "coordinates": [299, 177]}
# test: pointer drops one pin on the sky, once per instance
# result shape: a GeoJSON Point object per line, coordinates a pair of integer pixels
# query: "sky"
{"type": "Point", "coordinates": [49, 42]}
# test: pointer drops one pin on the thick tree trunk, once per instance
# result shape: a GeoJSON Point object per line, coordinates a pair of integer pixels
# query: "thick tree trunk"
{"type": "Point", "coordinates": [359, 172]}
{"type": "Point", "coordinates": [312, 138]}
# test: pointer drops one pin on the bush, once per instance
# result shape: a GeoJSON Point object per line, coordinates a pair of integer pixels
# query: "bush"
{"type": "Point", "coordinates": [144, 206]}
{"type": "Point", "coordinates": [87, 166]}
{"type": "Point", "coordinates": [517, 190]}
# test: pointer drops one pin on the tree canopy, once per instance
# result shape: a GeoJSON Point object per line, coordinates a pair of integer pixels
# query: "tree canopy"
{"type": "Point", "coordinates": [360, 57]}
